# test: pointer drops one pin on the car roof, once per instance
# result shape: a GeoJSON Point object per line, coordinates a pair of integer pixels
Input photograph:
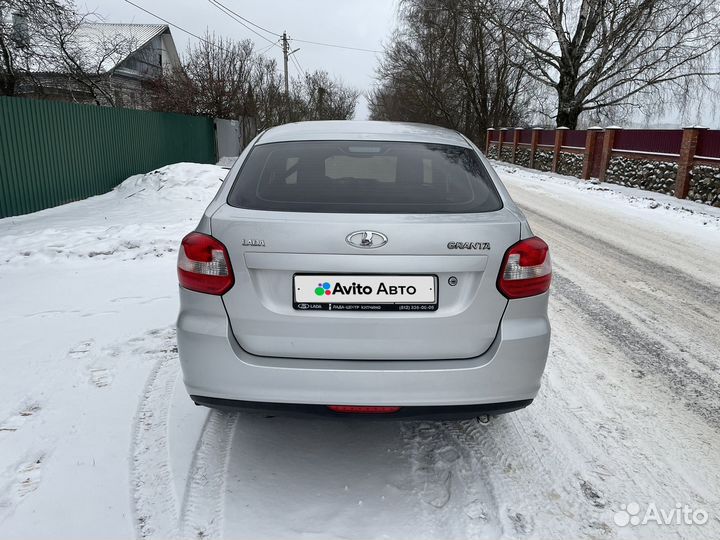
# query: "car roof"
{"type": "Point", "coordinates": [362, 130]}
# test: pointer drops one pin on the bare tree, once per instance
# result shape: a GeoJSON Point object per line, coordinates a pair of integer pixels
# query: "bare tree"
{"type": "Point", "coordinates": [445, 65]}
{"type": "Point", "coordinates": [601, 55]}
{"type": "Point", "coordinates": [25, 48]}
{"type": "Point", "coordinates": [318, 97]}
{"type": "Point", "coordinates": [47, 47]}
{"type": "Point", "coordinates": [267, 94]}
{"type": "Point", "coordinates": [227, 79]}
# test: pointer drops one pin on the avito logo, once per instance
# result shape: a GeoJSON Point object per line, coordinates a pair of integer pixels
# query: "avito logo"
{"type": "Point", "coordinates": [323, 289]}
{"type": "Point", "coordinates": [326, 289]}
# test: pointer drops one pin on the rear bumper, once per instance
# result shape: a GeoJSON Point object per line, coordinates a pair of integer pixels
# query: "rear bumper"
{"type": "Point", "coordinates": [448, 412]}
{"type": "Point", "coordinates": [216, 367]}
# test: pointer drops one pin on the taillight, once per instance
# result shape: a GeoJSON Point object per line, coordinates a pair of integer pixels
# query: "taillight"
{"type": "Point", "coordinates": [526, 269]}
{"type": "Point", "coordinates": [204, 265]}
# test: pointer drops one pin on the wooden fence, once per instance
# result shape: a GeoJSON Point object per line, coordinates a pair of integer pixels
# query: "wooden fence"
{"type": "Point", "coordinates": [683, 162]}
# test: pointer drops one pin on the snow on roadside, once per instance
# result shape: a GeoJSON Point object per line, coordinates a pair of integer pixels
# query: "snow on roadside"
{"type": "Point", "coordinates": [143, 217]}
{"type": "Point", "coordinates": [664, 206]}
{"type": "Point", "coordinates": [89, 300]}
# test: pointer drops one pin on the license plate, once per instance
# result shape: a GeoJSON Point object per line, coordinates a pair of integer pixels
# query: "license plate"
{"type": "Point", "coordinates": [364, 292]}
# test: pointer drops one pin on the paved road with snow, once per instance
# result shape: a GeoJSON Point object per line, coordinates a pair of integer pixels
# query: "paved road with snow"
{"type": "Point", "coordinates": [98, 438]}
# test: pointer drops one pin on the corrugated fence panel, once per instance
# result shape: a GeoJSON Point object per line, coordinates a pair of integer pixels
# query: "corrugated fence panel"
{"type": "Point", "coordinates": [664, 141]}
{"type": "Point", "coordinates": [708, 143]}
{"type": "Point", "coordinates": [547, 136]}
{"type": "Point", "coordinates": [52, 153]}
{"type": "Point", "coordinates": [575, 137]}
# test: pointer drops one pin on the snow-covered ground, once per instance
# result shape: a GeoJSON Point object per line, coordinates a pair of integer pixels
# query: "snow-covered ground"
{"type": "Point", "coordinates": [99, 440]}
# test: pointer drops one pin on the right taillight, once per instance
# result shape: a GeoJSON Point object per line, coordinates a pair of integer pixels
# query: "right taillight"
{"type": "Point", "coordinates": [204, 265]}
{"type": "Point", "coordinates": [526, 269]}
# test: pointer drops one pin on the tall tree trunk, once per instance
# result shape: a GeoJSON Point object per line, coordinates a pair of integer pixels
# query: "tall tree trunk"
{"type": "Point", "coordinates": [8, 79]}
{"type": "Point", "coordinates": [567, 117]}
{"type": "Point", "coordinates": [568, 108]}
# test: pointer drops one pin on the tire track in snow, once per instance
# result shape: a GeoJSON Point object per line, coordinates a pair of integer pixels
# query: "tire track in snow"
{"type": "Point", "coordinates": [156, 510]}
{"type": "Point", "coordinates": [698, 393]}
{"type": "Point", "coordinates": [154, 503]}
{"type": "Point", "coordinates": [671, 334]}
{"type": "Point", "coordinates": [681, 283]}
{"type": "Point", "coordinates": [489, 481]}
{"type": "Point", "coordinates": [617, 426]}
{"type": "Point", "coordinates": [203, 505]}
{"type": "Point", "coordinates": [522, 482]}
{"type": "Point", "coordinates": [449, 481]}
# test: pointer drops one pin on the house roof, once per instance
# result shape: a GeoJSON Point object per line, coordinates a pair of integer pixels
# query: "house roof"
{"type": "Point", "coordinates": [138, 33]}
{"type": "Point", "coordinates": [109, 44]}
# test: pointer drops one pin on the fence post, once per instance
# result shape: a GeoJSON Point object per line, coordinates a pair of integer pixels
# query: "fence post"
{"type": "Point", "coordinates": [559, 139]}
{"type": "Point", "coordinates": [516, 141]}
{"type": "Point", "coordinates": [589, 153]}
{"type": "Point", "coordinates": [685, 162]}
{"type": "Point", "coordinates": [487, 140]}
{"type": "Point", "coordinates": [608, 145]}
{"type": "Point", "coordinates": [533, 146]}
{"type": "Point", "coordinates": [501, 137]}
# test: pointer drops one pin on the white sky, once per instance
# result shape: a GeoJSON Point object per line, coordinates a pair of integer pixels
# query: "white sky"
{"type": "Point", "coordinates": [355, 23]}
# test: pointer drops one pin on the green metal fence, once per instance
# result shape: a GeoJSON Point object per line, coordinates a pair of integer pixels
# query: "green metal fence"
{"type": "Point", "coordinates": [52, 153]}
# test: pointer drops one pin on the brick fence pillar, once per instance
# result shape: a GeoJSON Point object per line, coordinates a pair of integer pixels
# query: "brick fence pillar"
{"type": "Point", "coordinates": [501, 142]}
{"type": "Point", "coordinates": [559, 139]}
{"type": "Point", "coordinates": [516, 141]}
{"type": "Point", "coordinates": [685, 162]}
{"type": "Point", "coordinates": [533, 146]}
{"type": "Point", "coordinates": [487, 140]}
{"type": "Point", "coordinates": [608, 145]}
{"type": "Point", "coordinates": [589, 153]}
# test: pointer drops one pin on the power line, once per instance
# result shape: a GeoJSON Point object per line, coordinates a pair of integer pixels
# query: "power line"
{"type": "Point", "coordinates": [230, 14]}
{"type": "Point", "coordinates": [188, 32]}
{"type": "Point", "coordinates": [245, 19]}
{"type": "Point", "coordinates": [239, 19]}
{"type": "Point", "coordinates": [266, 49]}
{"type": "Point", "coordinates": [276, 34]}
{"type": "Point", "coordinates": [298, 66]}
{"type": "Point", "coordinates": [337, 46]}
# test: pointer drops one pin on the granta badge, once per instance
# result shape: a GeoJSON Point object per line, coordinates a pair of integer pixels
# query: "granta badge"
{"type": "Point", "coordinates": [469, 245]}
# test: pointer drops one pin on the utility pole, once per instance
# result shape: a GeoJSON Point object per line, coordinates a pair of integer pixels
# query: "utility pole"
{"type": "Point", "coordinates": [286, 54]}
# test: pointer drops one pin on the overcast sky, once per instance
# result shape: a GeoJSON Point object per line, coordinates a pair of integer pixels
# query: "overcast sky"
{"type": "Point", "coordinates": [356, 23]}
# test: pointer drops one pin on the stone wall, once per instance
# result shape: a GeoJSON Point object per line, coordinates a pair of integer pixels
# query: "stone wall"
{"type": "Point", "coordinates": [705, 185]}
{"type": "Point", "coordinates": [658, 176]}
{"type": "Point", "coordinates": [506, 153]}
{"type": "Point", "coordinates": [522, 156]}
{"type": "Point", "coordinates": [543, 160]}
{"type": "Point", "coordinates": [570, 164]}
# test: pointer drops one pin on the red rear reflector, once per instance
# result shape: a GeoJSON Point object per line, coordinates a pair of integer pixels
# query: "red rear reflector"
{"type": "Point", "coordinates": [204, 265]}
{"type": "Point", "coordinates": [526, 269]}
{"type": "Point", "coordinates": [362, 409]}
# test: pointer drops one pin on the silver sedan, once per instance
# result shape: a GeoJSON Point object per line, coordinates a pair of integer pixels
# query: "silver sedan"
{"type": "Point", "coordinates": [363, 268]}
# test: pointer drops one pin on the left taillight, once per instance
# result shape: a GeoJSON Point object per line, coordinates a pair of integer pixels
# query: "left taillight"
{"type": "Point", "coordinates": [204, 265]}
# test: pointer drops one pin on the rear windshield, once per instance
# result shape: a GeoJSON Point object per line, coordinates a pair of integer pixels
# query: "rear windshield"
{"type": "Point", "coordinates": [364, 177]}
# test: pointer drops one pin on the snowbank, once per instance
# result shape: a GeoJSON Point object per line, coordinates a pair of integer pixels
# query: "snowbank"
{"type": "Point", "coordinates": [145, 216]}
{"type": "Point", "coordinates": [665, 207]}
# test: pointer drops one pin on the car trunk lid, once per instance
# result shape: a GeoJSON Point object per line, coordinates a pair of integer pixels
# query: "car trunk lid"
{"type": "Point", "coordinates": [462, 252]}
